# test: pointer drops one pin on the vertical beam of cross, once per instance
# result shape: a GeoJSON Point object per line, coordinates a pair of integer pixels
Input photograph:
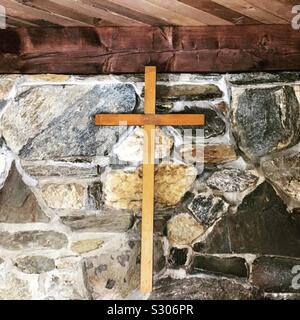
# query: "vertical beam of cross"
{"type": "Point", "coordinates": [149, 120]}
{"type": "Point", "coordinates": [148, 184]}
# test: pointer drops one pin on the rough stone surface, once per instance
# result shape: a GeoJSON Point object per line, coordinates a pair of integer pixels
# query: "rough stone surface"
{"type": "Point", "coordinates": [100, 223]}
{"type": "Point", "coordinates": [51, 136]}
{"type": "Point", "coordinates": [32, 240]}
{"type": "Point", "coordinates": [49, 77]}
{"type": "Point", "coordinates": [64, 196]}
{"type": "Point", "coordinates": [208, 153]}
{"type": "Point", "coordinates": [123, 189]}
{"type": "Point", "coordinates": [14, 288]}
{"type": "Point", "coordinates": [66, 282]}
{"type": "Point", "coordinates": [265, 120]}
{"type": "Point", "coordinates": [261, 225]}
{"type": "Point", "coordinates": [263, 77]}
{"type": "Point", "coordinates": [232, 180]}
{"type": "Point", "coordinates": [214, 122]}
{"type": "Point", "coordinates": [131, 149]}
{"type": "Point", "coordinates": [188, 92]}
{"type": "Point", "coordinates": [276, 274]}
{"type": "Point", "coordinates": [178, 257]}
{"type": "Point", "coordinates": [207, 208]}
{"type": "Point", "coordinates": [284, 173]}
{"type": "Point", "coordinates": [35, 264]}
{"type": "Point", "coordinates": [113, 275]}
{"type": "Point", "coordinates": [17, 202]}
{"type": "Point", "coordinates": [58, 169]}
{"type": "Point", "coordinates": [84, 246]}
{"type": "Point", "coordinates": [172, 181]}
{"type": "Point", "coordinates": [206, 288]}
{"type": "Point", "coordinates": [183, 229]}
{"type": "Point", "coordinates": [233, 266]}
{"type": "Point", "coordinates": [6, 84]}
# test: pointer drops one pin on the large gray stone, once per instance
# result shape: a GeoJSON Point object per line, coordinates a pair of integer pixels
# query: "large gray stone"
{"type": "Point", "coordinates": [17, 202]}
{"type": "Point", "coordinates": [56, 122]}
{"type": "Point", "coordinates": [265, 120]}
{"type": "Point", "coordinates": [32, 240]}
{"type": "Point", "coordinates": [276, 274]}
{"type": "Point", "coordinates": [35, 264]}
{"type": "Point", "coordinates": [205, 288]}
{"type": "Point", "coordinates": [261, 225]}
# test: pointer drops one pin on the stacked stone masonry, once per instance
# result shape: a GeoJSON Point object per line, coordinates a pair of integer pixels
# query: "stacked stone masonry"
{"type": "Point", "coordinates": [227, 195]}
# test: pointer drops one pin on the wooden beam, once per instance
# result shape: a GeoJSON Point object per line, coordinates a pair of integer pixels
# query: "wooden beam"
{"type": "Point", "coordinates": [254, 12]}
{"type": "Point", "coordinates": [130, 49]}
{"type": "Point", "coordinates": [144, 119]}
{"type": "Point", "coordinates": [148, 185]}
{"type": "Point", "coordinates": [220, 11]}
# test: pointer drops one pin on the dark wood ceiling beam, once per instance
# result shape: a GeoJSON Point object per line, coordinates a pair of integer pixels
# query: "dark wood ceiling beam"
{"type": "Point", "coordinates": [220, 11]}
{"type": "Point", "coordinates": [130, 49]}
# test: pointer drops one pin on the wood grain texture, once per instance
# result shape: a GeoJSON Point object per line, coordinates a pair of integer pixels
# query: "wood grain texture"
{"type": "Point", "coordinates": [145, 119]}
{"type": "Point", "coordinates": [254, 12]}
{"type": "Point", "coordinates": [220, 11]}
{"type": "Point", "coordinates": [148, 185]}
{"type": "Point", "coordinates": [196, 14]}
{"type": "Point", "coordinates": [127, 12]}
{"type": "Point", "coordinates": [153, 9]}
{"type": "Point", "coordinates": [130, 49]}
{"type": "Point", "coordinates": [150, 12]}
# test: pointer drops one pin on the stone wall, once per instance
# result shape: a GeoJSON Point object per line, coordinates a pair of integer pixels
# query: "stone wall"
{"type": "Point", "coordinates": [227, 222]}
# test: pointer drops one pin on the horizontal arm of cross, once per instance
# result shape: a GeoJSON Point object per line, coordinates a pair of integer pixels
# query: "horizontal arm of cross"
{"type": "Point", "coordinates": [149, 119]}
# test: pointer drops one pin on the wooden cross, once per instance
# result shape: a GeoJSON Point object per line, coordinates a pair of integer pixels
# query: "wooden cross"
{"type": "Point", "coordinates": [149, 120]}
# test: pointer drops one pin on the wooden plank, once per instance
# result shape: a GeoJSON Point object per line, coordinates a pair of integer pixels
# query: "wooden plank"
{"type": "Point", "coordinates": [148, 185]}
{"type": "Point", "coordinates": [279, 8]}
{"type": "Point", "coordinates": [58, 8]}
{"type": "Point", "coordinates": [20, 10]}
{"type": "Point", "coordinates": [129, 49]}
{"type": "Point", "coordinates": [144, 119]}
{"type": "Point", "coordinates": [245, 8]}
{"type": "Point", "coordinates": [194, 13]}
{"type": "Point", "coordinates": [127, 12]}
{"type": "Point", "coordinates": [154, 10]}
{"type": "Point", "coordinates": [220, 11]}
{"type": "Point", "coordinates": [91, 8]}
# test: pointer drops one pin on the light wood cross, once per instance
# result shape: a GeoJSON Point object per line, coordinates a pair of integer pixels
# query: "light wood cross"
{"type": "Point", "coordinates": [149, 120]}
